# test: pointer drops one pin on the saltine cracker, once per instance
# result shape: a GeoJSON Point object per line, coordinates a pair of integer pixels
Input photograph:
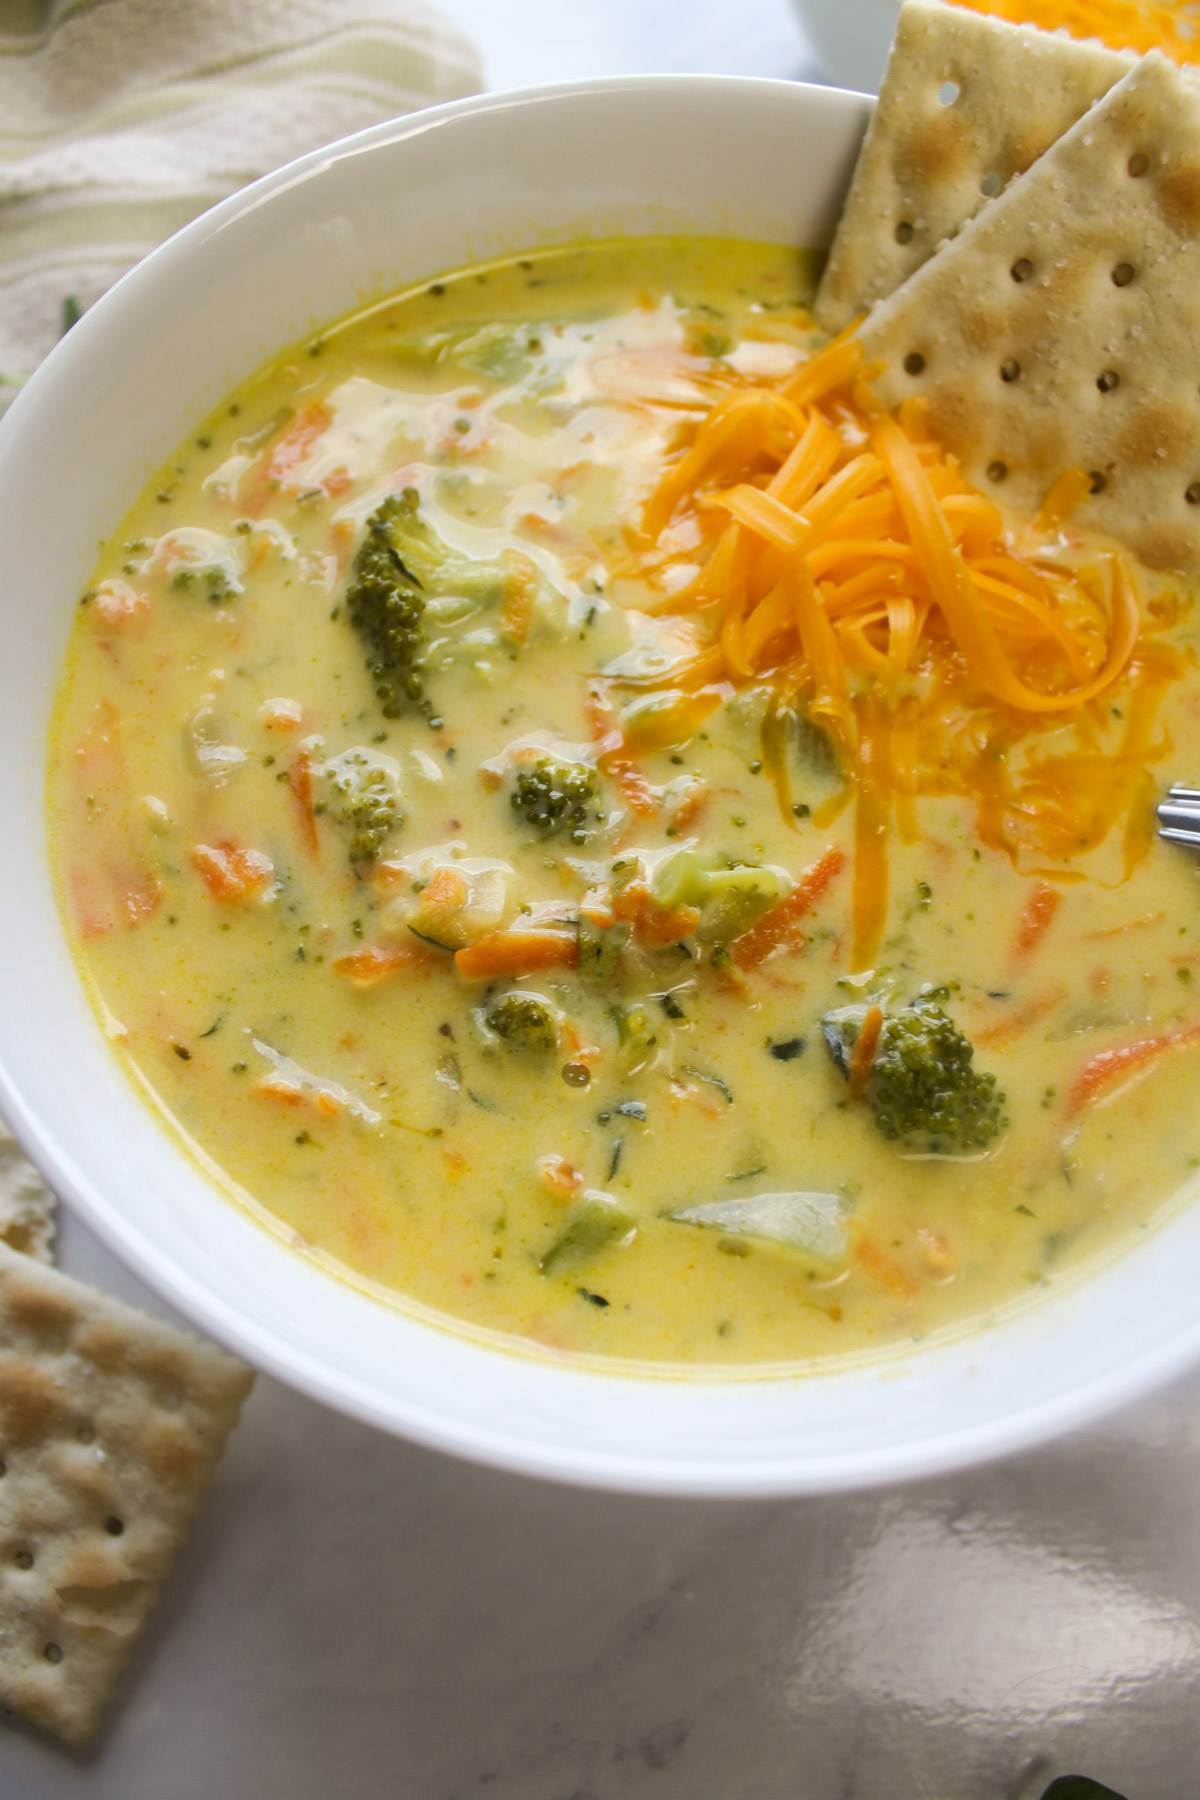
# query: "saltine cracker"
{"type": "Point", "coordinates": [27, 1207]}
{"type": "Point", "coordinates": [110, 1427]}
{"type": "Point", "coordinates": [1061, 328]}
{"type": "Point", "coordinates": [967, 103]}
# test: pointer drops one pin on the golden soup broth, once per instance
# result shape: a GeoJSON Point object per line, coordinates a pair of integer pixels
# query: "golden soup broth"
{"type": "Point", "coordinates": [206, 878]}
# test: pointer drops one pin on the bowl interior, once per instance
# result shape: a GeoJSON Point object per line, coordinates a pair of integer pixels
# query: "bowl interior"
{"type": "Point", "coordinates": [395, 205]}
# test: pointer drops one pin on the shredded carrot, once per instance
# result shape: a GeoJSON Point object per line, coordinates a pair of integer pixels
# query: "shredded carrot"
{"type": "Point", "coordinates": [1126, 1059]}
{"type": "Point", "coordinates": [1110, 931]}
{"type": "Point", "coordinates": [277, 1087]}
{"type": "Point", "coordinates": [105, 896]}
{"type": "Point", "coordinates": [138, 894]}
{"type": "Point", "coordinates": [778, 929]}
{"type": "Point", "coordinates": [230, 874]}
{"type": "Point", "coordinates": [517, 953]}
{"type": "Point", "coordinates": [520, 595]}
{"type": "Point", "coordinates": [287, 453]}
{"type": "Point", "coordinates": [281, 714]}
{"type": "Point", "coordinates": [448, 890]}
{"type": "Point", "coordinates": [301, 787]}
{"type": "Point", "coordinates": [690, 805]}
{"type": "Point", "coordinates": [884, 1269]}
{"type": "Point", "coordinates": [635, 790]}
{"type": "Point", "coordinates": [560, 1178]}
{"type": "Point", "coordinates": [115, 606]}
{"type": "Point", "coordinates": [377, 963]}
{"type": "Point", "coordinates": [858, 1069]}
{"type": "Point", "coordinates": [1015, 1024]}
{"type": "Point", "coordinates": [293, 1093]}
{"type": "Point", "coordinates": [1037, 917]}
{"type": "Point", "coordinates": [653, 925]}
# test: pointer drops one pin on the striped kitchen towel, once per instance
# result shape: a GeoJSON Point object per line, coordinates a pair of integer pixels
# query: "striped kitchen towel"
{"type": "Point", "coordinates": [120, 120]}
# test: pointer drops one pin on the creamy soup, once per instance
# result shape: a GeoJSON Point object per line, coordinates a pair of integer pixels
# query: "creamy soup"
{"type": "Point", "coordinates": [543, 896]}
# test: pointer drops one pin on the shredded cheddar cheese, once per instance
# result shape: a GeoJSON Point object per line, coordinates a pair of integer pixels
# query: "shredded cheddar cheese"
{"type": "Point", "coordinates": [846, 565]}
{"type": "Point", "coordinates": [1139, 25]}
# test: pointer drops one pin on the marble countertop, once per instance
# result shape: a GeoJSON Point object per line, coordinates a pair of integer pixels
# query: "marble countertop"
{"type": "Point", "coordinates": [355, 1615]}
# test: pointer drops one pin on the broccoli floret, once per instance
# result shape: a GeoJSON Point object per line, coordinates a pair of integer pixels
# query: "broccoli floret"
{"type": "Point", "coordinates": [213, 582]}
{"type": "Point", "coordinates": [363, 795]}
{"type": "Point", "coordinates": [401, 565]}
{"type": "Point", "coordinates": [385, 603]}
{"type": "Point", "coordinates": [922, 1088]}
{"type": "Point", "coordinates": [553, 797]}
{"type": "Point", "coordinates": [524, 1022]}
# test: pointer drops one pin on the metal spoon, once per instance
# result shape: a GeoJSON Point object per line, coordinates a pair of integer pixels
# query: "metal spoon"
{"type": "Point", "coordinates": [1179, 817]}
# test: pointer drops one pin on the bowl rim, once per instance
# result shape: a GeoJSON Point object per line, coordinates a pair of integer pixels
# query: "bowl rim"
{"type": "Point", "coordinates": [267, 1349]}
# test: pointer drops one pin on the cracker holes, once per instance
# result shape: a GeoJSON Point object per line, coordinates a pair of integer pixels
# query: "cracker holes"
{"type": "Point", "coordinates": [1022, 269]}
{"type": "Point", "coordinates": [85, 1434]}
{"type": "Point", "coordinates": [53, 1653]}
{"type": "Point", "coordinates": [1108, 382]}
{"type": "Point", "coordinates": [1123, 274]}
{"type": "Point", "coordinates": [1139, 162]}
{"type": "Point", "coordinates": [914, 363]}
{"type": "Point", "coordinates": [997, 471]}
{"type": "Point", "coordinates": [904, 232]}
{"type": "Point", "coordinates": [1010, 370]}
{"type": "Point", "coordinates": [948, 93]}
{"type": "Point", "coordinates": [990, 186]}
{"type": "Point", "coordinates": [23, 1559]}
{"type": "Point", "coordinates": [115, 1527]}
{"type": "Point", "coordinates": [3, 1468]}
{"type": "Point", "coordinates": [1098, 481]}
{"type": "Point", "coordinates": [1192, 494]}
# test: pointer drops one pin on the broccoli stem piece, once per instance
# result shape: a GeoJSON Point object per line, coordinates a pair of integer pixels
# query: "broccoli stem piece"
{"type": "Point", "coordinates": [600, 948]}
{"type": "Point", "coordinates": [636, 1034]}
{"type": "Point", "coordinates": [730, 899]}
{"type": "Point", "coordinates": [923, 1089]}
{"type": "Point", "coordinates": [597, 1223]}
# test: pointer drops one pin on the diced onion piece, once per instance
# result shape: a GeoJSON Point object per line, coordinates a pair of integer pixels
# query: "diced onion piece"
{"type": "Point", "coordinates": [812, 1223]}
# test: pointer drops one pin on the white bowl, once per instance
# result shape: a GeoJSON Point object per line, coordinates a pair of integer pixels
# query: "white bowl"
{"type": "Point", "coordinates": [404, 202]}
{"type": "Point", "coordinates": [851, 38]}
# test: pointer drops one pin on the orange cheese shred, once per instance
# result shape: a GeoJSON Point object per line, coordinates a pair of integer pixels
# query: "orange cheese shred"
{"type": "Point", "coordinates": [836, 557]}
{"type": "Point", "coordinates": [1139, 25]}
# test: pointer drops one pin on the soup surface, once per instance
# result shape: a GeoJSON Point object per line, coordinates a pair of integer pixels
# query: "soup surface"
{"type": "Point", "coordinates": [495, 956]}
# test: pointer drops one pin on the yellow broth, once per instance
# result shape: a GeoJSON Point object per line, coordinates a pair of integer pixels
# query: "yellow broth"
{"type": "Point", "coordinates": [208, 889]}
